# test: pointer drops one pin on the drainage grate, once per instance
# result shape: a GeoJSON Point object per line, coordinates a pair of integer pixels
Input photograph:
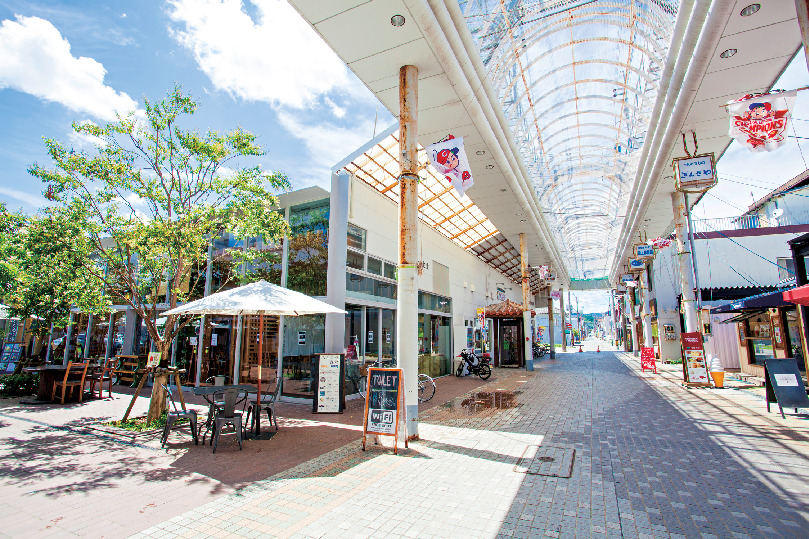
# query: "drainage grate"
{"type": "Point", "coordinates": [549, 460]}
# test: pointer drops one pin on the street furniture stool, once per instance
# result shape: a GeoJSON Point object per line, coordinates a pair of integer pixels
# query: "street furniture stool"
{"type": "Point", "coordinates": [173, 416]}
{"type": "Point", "coordinates": [74, 379]}
{"type": "Point", "coordinates": [227, 415]}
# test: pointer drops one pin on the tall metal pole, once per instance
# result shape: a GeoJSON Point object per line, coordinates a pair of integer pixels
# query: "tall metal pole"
{"type": "Point", "coordinates": [550, 324]}
{"type": "Point", "coordinates": [201, 334]}
{"type": "Point", "coordinates": [684, 262]}
{"type": "Point", "coordinates": [648, 338]}
{"type": "Point", "coordinates": [693, 253]}
{"type": "Point", "coordinates": [407, 300]}
{"type": "Point", "coordinates": [526, 313]}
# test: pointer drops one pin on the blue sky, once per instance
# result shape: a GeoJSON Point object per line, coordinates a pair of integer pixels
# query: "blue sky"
{"type": "Point", "coordinates": [257, 65]}
{"type": "Point", "coordinates": [252, 63]}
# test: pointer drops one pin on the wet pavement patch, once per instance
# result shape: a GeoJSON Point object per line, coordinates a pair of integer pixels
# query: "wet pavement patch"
{"type": "Point", "coordinates": [549, 460]}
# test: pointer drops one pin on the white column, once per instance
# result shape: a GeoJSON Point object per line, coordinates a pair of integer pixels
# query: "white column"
{"type": "Point", "coordinates": [110, 333]}
{"type": "Point", "coordinates": [562, 319]}
{"type": "Point", "coordinates": [407, 299]}
{"type": "Point", "coordinates": [551, 337]}
{"type": "Point", "coordinates": [201, 333]}
{"type": "Point", "coordinates": [528, 352]}
{"type": "Point", "coordinates": [648, 339]}
{"type": "Point", "coordinates": [279, 373]}
{"type": "Point", "coordinates": [336, 272]}
{"type": "Point", "coordinates": [68, 337]}
{"type": "Point", "coordinates": [684, 262]}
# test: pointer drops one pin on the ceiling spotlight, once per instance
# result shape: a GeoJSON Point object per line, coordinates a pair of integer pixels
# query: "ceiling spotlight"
{"type": "Point", "coordinates": [489, 167]}
{"type": "Point", "coordinates": [397, 20]}
{"type": "Point", "coordinates": [728, 53]}
{"type": "Point", "coordinates": [480, 152]}
{"type": "Point", "coordinates": [749, 10]}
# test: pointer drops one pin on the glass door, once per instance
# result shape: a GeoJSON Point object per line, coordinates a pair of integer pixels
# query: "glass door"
{"type": "Point", "coordinates": [509, 342]}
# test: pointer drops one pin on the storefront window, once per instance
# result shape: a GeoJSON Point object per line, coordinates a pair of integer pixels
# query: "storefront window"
{"type": "Point", "coordinates": [435, 345]}
{"type": "Point", "coordinates": [794, 335]}
{"type": "Point", "coordinates": [370, 288]}
{"type": "Point", "coordinates": [304, 338]}
{"type": "Point", "coordinates": [249, 364]}
{"type": "Point", "coordinates": [759, 338]}
{"type": "Point", "coordinates": [390, 271]}
{"type": "Point", "coordinates": [388, 336]}
{"type": "Point", "coordinates": [354, 260]}
{"type": "Point", "coordinates": [371, 334]}
{"type": "Point", "coordinates": [434, 302]}
{"type": "Point", "coordinates": [374, 266]}
{"type": "Point", "coordinates": [308, 248]}
{"type": "Point", "coordinates": [356, 237]}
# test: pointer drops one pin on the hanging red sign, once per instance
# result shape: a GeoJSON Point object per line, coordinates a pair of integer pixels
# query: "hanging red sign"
{"type": "Point", "coordinates": [647, 359]}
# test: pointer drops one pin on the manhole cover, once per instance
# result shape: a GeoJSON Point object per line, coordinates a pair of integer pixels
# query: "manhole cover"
{"type": "Point", "coordinates": [549, 460]}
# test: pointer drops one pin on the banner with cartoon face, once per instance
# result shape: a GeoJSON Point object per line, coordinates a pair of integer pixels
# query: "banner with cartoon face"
{"type": "Point", "coordinates": [449, 158]}
{"type": "Point", "coordinates": [760, 121]}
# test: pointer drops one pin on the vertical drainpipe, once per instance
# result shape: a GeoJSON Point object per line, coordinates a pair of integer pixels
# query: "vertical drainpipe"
{"type": "Point", "coordinates": [526, 313]}
{"type": "Point", "coordinates": [407, 298]}
{"type": "Point", "coordinates": [684, 262]}
{"type": "Point", "coordinates": [201, 333]}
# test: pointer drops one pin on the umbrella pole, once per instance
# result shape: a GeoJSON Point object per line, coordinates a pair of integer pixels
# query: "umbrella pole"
{"type": "Point", "coordinates": [257, 415]}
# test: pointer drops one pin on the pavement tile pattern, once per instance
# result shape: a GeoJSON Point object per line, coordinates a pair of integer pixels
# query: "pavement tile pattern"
{"type": "Point", "coordinates": [651, 459]}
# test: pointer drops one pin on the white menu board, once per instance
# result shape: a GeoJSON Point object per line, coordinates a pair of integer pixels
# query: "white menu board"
{"type": "Point", "coordinates": [328, 384]}
{"type": "Point", "coordinates": [695, 363]}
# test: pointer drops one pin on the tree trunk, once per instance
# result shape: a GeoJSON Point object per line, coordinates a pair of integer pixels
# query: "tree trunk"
{"type": "Point", "coordinates": [157, 403]}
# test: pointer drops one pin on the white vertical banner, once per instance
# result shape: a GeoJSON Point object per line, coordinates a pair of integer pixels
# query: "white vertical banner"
{"type": "Point", "coordinates": [449, 158]}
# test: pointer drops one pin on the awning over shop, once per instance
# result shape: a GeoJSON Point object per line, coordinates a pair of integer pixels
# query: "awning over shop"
{"type": "Point", "coordinates": [798, 296]}
{"type": "Point", "coordinates": [504, 309]}
{"type": "Point", "coordinates": [761, 301]}
{"type": "Point", "coordinates": [743, 316]}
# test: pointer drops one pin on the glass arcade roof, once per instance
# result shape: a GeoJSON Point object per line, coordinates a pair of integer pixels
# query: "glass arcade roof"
{"type": "Point", "coordinates": [577, 80]}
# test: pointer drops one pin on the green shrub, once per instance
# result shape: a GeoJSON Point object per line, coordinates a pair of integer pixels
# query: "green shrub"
{"type": "Point", "coordinates": [19, 385]}
{"type": "Point", "coordinates": [139, 424]}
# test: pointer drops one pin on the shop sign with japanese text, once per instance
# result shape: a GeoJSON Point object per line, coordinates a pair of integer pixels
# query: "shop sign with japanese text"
{"type": "Point", "coordinates": [695, 174]}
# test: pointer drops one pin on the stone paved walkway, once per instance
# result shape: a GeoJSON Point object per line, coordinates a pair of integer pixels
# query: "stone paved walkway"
{"type": "Point", "coordinates": [649, 459]}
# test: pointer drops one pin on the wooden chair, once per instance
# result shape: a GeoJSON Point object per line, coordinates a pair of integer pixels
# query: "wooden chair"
{"type": "Point", "coordinates": [103, 374]}
{"type": "Point", "coordinates": [74, 378]}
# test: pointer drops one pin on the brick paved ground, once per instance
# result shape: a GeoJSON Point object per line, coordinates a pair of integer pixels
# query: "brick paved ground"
{"type": "Point", "coordinates": [649, 459]}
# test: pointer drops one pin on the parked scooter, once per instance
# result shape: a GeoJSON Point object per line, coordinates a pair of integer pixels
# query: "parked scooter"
{"type": "Point", "coordinates": [475, 364]}
{"type": "Point", "coordinates": [540, 349]}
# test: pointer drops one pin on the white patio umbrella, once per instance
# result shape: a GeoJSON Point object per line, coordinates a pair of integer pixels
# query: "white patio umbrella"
{"type": "Point", "coordinates": [256, 298]}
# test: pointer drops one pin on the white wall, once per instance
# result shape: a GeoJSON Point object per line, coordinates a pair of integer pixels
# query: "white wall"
{"type": "Point", "coordinates": [378, 215]}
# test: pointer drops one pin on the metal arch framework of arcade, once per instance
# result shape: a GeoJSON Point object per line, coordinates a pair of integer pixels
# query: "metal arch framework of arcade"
{"type": "Point", "coordinates": [571, 113]}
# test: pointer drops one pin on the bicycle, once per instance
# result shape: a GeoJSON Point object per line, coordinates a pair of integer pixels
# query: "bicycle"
{"type": "Point", "coordinates": [426, 385]}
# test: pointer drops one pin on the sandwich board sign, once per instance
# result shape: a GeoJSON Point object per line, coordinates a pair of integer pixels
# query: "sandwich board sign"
{"type": "Point", "coordinates": [384, 402]}
{"type": "Point", "coordinates": [784, 385]}
{"type": "Point", "coordinates": [647, 359]}
{"type": "Point", "coordinates": [695, 371]}
{"type": "Point", "coordinates": [329, 391]}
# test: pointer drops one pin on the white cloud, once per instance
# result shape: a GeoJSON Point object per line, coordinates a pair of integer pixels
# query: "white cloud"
{"type": "Point", "coordinates": [36, 59]}
{"type": "Point", "coordinates": [276, 58]}
{"type": "Point", "coordinates": [35, 200]}
{"type": "Point", "coordinates": [327, 144]}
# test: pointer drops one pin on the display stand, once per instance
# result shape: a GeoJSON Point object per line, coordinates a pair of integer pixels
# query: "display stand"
{"type": "Point", "coordinates": [329, 380]}
{"type": "Point", "coordinates": [695, 371]}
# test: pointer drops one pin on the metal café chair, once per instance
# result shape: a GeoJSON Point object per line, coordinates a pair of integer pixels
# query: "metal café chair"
{"type": "Point", "coordinates": [267, 403]}
{"type": "Point", "coordinates": [173, 416]}
{"type": "Point", "coordinates": [227, 415]}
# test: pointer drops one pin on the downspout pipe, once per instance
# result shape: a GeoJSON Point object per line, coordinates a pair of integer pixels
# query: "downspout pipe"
{"type": "Point", "coordinates": [694, 65]}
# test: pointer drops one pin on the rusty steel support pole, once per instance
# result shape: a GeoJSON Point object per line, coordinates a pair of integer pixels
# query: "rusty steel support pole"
{"type": "Point", "coordinates": [684, 261]}
{"type": "Point", "coordinates": [407, 357]}
{"type": "Point", "coordinates": [526, 312]}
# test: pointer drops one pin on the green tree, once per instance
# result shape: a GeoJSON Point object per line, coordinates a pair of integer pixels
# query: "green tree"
{"type": "Point", "coordinates": [152, 198]}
